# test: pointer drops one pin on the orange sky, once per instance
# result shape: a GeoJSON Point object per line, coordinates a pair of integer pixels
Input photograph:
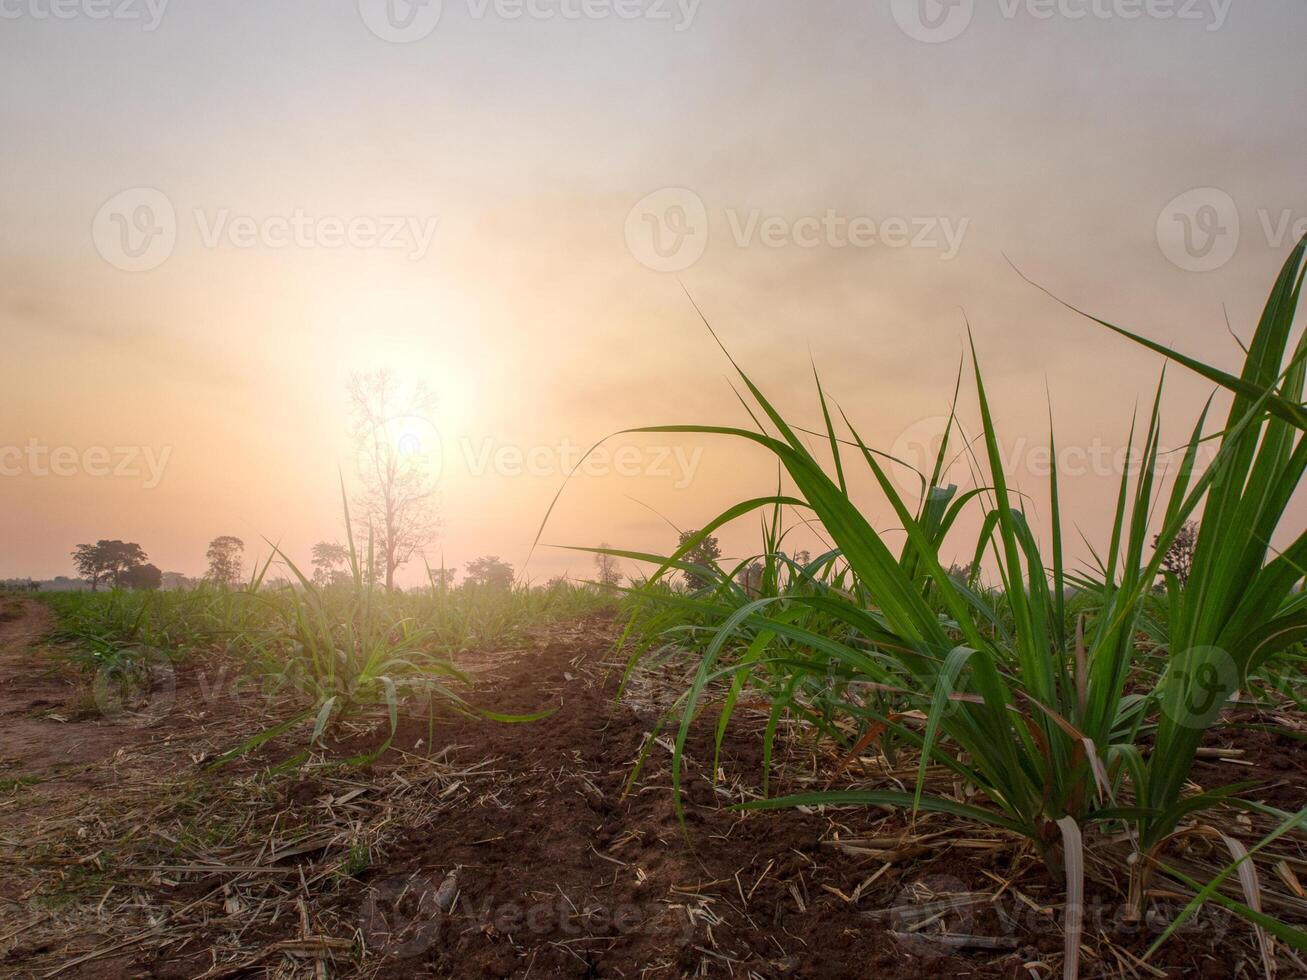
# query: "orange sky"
{"type": "Point", "coordinates": [468, 206]}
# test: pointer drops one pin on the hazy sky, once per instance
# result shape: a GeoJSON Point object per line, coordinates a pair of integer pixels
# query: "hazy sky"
{"type": "Point", "coordinates": [212, 213]}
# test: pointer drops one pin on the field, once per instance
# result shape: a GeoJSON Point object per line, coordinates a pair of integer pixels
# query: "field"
{"type": "Point", "coordinates": [855, 763]}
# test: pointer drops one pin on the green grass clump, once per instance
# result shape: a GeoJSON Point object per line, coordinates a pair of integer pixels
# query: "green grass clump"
{"type": "Point", "coordinates": [9, 783]}
{"type": "Point", "coordinates": [1035, 690]}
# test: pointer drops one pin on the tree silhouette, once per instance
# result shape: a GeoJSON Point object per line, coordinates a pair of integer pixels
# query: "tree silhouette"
{"type": "Point", "coordinates": [224, 556]}
{"type": "Point", "coordinates": [442, 579]}
{"type": "Point", "coordinates": [395, 466]}
{"type": "Point", "coordinates": [608, 573]}
{"type": "Point", "coordinates": [86, 559]}
{"type": "Point", "coordinates": [143, 577]}
{"type": "Point", "coordinates": [177, 580]}
{"type": "Point", "coordinates": [329, 560]}
{"type": "Point", "coordinates": [705, 553]}
{"type": "Point", "coordinates": [749, 578]}
{"type": "Point", "coordinates": [107, 560]}
{"type": "Point", "coordinates": [489, 573]}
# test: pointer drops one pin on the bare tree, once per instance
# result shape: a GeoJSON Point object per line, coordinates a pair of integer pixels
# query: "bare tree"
{"type": "Point", "coordinates": [609, 573]}
{"type": "Point", "coordinates": [224, 556]}
{"type": "Point", "coordinates": [395, 444]}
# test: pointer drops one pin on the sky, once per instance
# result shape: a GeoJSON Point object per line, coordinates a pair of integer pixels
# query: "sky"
{"type": "Point", "coordinates": [212, 214]}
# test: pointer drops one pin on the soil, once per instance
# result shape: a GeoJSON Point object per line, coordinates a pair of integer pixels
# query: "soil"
{"type": "Point", "coordinates": [531, 856]}
{"type": "Point", "coordinates": [39, 698]}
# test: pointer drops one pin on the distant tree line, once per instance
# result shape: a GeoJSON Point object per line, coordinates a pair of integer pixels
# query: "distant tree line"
{"type": "Point", "coordinates": [19, 585]}
{"type": "Point", "coordinates": [122, 564]}
{"type": "Point", "coordinates": [331, 567]}
{"type": "Point", "coordinates": [125, 565]}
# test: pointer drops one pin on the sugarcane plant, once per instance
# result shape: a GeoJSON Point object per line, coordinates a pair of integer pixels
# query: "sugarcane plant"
{"type": "Point", "coordinates": [1036, 706]}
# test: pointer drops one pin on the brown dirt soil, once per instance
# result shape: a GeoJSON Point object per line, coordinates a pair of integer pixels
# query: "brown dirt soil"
{"type": "Point", "coordinates": [478, 849]}
{"type": "Point", "coordinates": [57, 736]}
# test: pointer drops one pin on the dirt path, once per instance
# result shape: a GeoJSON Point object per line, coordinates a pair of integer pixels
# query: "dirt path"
{"type": "Point", "coordinates": [70, 767]}
{"type": "Point", "coordinates": [478, 849]}
{"type": "Point", "coordinates": [56, 734]}
{"type": "Point", "coordinates": [37, 701]}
